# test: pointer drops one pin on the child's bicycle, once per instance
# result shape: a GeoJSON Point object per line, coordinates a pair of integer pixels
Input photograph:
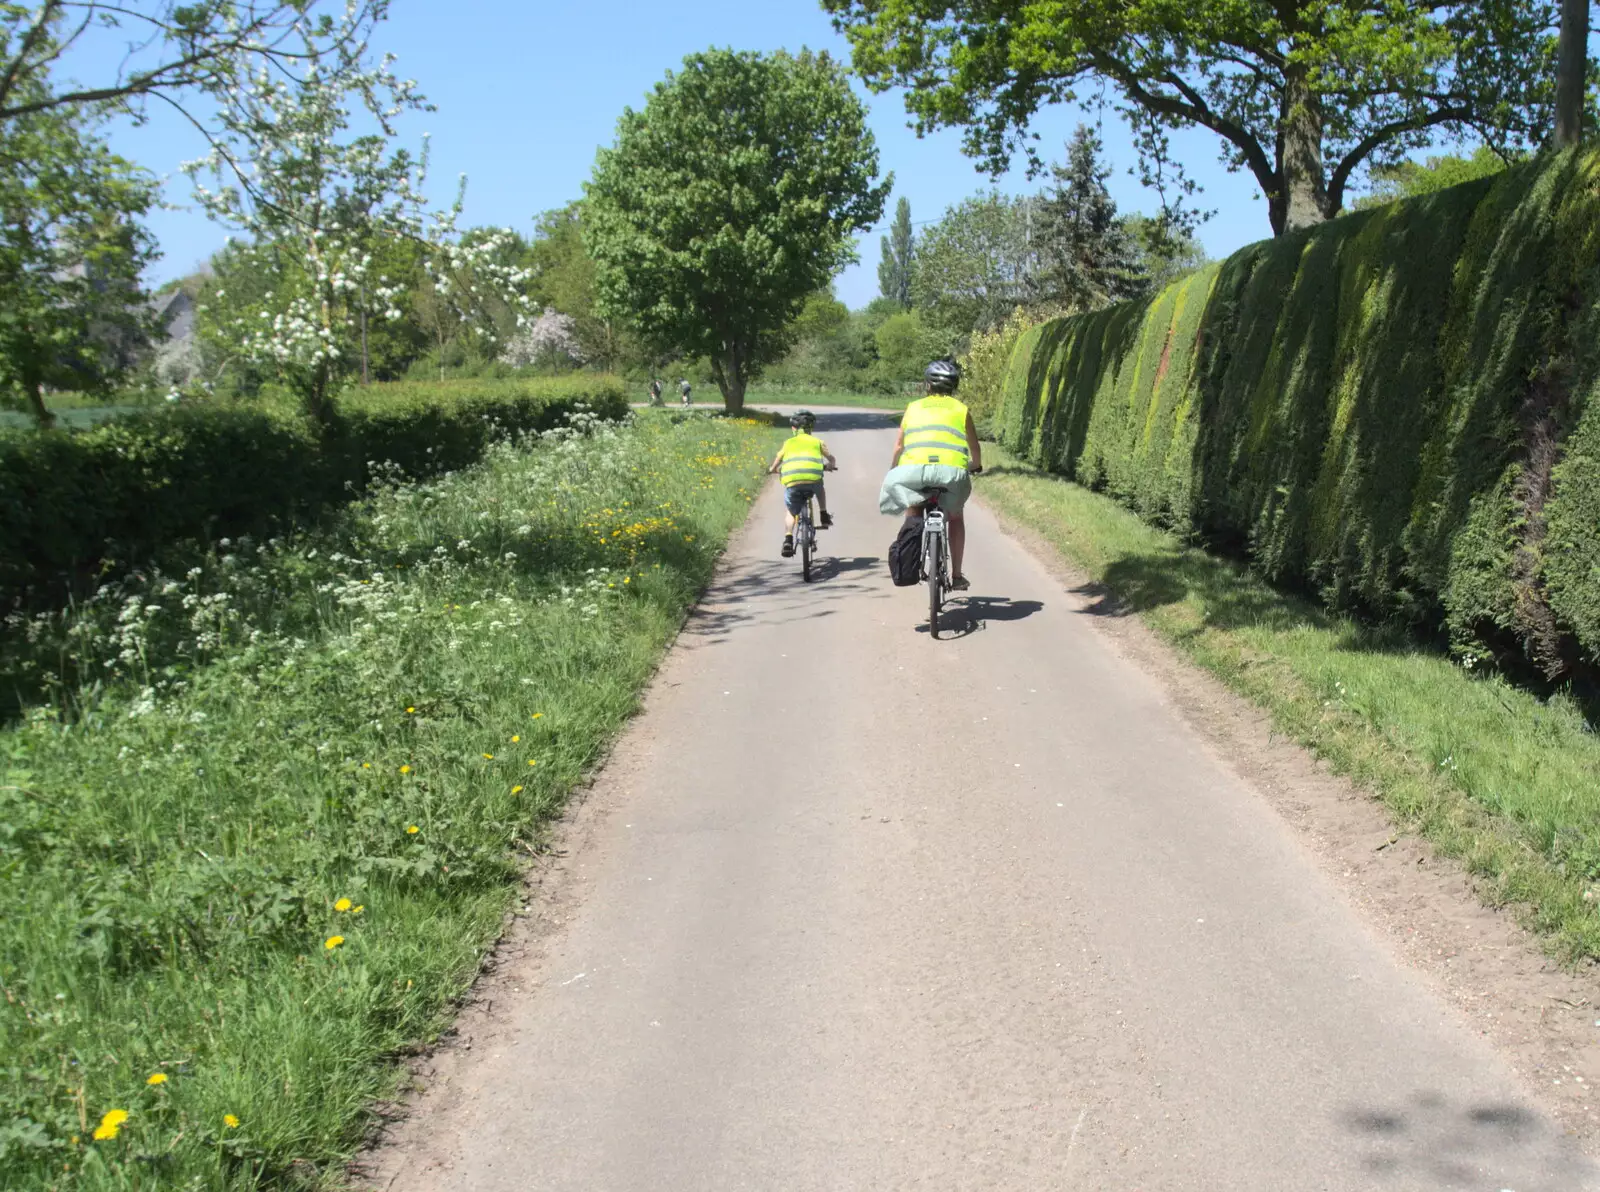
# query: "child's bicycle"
{"type": "Point", "coordinates": [805, 536]}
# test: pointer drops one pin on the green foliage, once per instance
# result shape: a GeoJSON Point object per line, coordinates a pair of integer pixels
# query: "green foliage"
{"type": "Point", "coordinates": [823, 315]}
{"type": "Point", "coordinates": [1407, 179]}
{"type": "Point", "coordinates": [899, 250]}
{"type": "Point", "coordinates": [71, 252]}
{"type": "Point", "coordinates": [986, 363]}
{"type": "Point", "coordinates": [905, 344]}
{"type": "Point", "coordinates": [564, 277]}
{"type": "Point", "coordinates": [75, 509]}
{"type": "Point", "coordinates": [1301, 93]}
{"type": "Point", "coordinates": [1087, 256]}
{"type": "Point", "coordinates": [977, 263]}
{"type": "Point", "coordinates": [279, 726]}
{"type": "Point", "coordinates": [1166, 252]}
{"type": "Point", "coordinates": [727, 202]}
{"type": "Point", "coordinates": [1391, 410]}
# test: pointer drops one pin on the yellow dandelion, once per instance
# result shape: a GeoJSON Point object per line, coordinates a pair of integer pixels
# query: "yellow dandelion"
{"type": "Point", "coordinates": [342, 905]}
{"type": "Point", "coordinates": [110, 1124]}
{"type": "Point", "coordinates": [536, 715]}
{"type": "Point", "coordinates": [531, 762]}
{"type": "Point", "coordinates": [514, 740]}
{"type": "Point", "coordinates": [413, 830]}
{"type": "Point", "coordinates": [366, 765]}
{"type": "Point", "coordinates": [230, 1121]}
{"type": "Point", "coordinates": [332, 942]}
{"type": "Point", "coordinates": [356, 910]}
{"type": "Point", "coordinates": [405, 769]}
{"type": "Point", "coordinates": [410, 711]}
{"type": "Point", "coordinates": [156, 1078]}
{"type": "Point", "coordinates": [516, 790]}
{"type": "Point", "coordinates": [488, 757]}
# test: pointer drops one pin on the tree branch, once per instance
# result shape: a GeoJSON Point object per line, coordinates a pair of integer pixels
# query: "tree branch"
{"type": "Point", "coordinates": [30, 42]}
{"type": "Point", "coordinates": [189, 69]}
{"type": "Point", "coordinates": [1340, 178]}
{"type": "Point", "coordinates": [1196, 111]}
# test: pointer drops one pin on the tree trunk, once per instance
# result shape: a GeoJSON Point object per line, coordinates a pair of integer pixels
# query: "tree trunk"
{"type": "Point", "coordinates": [1572, 68]}
{"type": "Point", "coordinates": [41, 413]}
{"type": "Point", "coordinates": [318, 405]}
{"type": "Point", "coordinates": [1302, 200]}
{"type": "Point", "coordinates": [729, 371]}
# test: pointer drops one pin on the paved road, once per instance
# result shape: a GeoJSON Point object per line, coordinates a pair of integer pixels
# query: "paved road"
{"type": "Point", "coordinates": [860, 910]}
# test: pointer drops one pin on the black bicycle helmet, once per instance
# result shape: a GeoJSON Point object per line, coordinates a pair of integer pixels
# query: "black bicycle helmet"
{"type": "Point", "coordinates": [942, 377]}
{"type": "Point", "coordinates": [803, 420]}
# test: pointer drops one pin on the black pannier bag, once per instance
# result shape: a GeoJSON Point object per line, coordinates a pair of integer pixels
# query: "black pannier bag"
{"type": "Point", "coordinates": [905, 554]}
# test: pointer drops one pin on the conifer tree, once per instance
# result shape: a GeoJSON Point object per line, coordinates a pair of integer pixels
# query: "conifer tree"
{"type": "Point", "coordinates": [1088, 258]}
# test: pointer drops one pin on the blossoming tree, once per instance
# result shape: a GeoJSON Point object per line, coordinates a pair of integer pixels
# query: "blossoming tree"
{"type": "Point", "coordinates": [550, 339]}
{"type": "Point", "coordinates": [289, 167]}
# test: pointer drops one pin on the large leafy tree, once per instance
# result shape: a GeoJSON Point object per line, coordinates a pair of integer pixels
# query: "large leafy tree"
{"type": "Point", "coordinates": [1302, 93]}
{"type": "Point", "coordinates": [894, 269]}
{"type": "Point", "coordinates": [977, 263]}
{"type": "Point", "coordinates": [727, 202]}
{"type": "Point", "coordinates": [71, 251]}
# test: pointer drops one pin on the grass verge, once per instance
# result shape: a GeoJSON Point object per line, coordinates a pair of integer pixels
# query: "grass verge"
{"type": "Point", "coordinates": [1485, 771]}
{"type": "Point", "coordinates": [262, 852]}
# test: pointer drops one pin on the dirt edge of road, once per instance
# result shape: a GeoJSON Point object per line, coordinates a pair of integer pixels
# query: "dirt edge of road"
{"type": "Point", "coordinates": [1543, 1018]}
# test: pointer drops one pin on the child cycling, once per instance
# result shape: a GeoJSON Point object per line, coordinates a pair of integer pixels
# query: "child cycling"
{"type": "Point", "coordinates": [801, 461]}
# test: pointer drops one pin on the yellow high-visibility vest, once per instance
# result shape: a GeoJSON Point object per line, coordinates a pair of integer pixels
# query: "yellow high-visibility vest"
{"type": "Point", "coordinates": [935, 432]}
{"type": "Point", "coordinates": [802, 461]}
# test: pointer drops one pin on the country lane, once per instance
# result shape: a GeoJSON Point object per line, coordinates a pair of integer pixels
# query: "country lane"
{"type": "Point", "coordinates": [850, 908]}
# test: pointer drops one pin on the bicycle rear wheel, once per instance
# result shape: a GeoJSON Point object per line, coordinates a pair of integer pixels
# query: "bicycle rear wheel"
{"type": "Point", "coordinates": [935, 584]}
{"type": "Point", "coordinates": [807, 541]}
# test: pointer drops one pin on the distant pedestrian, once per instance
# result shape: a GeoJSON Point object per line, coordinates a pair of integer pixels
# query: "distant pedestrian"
{"type": "Point", "coordinates": [655, 391]}
{"type": "Point", "coordinates": [683, 388]}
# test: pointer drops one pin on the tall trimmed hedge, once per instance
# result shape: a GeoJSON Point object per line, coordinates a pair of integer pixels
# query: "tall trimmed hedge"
{"type": "Point", "coordinates": [77, 507]}
{"type": "Point", "coordinates": [1393, 409]}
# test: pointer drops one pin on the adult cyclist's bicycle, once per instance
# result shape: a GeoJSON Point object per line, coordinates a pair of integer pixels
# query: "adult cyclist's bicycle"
{"type": "Point", "coordinates": [935, 555]}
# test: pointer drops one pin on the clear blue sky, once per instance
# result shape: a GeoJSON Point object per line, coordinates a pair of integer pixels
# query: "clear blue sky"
{"type": "Point", "coordinates": [527, 90]}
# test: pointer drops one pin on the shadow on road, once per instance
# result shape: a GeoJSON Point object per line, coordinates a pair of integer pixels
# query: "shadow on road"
{"type": "Point", "coordinates": [771, 591]}
{"type": "Point", "coordinates": [966, 616]}
{"type": "Point", "coordinates": [1449, 1144]}
{"type": "Point", "coordinates": [828, 568]}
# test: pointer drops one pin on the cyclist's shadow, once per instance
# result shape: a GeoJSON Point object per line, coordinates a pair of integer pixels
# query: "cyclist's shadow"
{"type": "Point", "coordinates": [966, 615]}
{"type": "Point", "coordinates": [828, 567]}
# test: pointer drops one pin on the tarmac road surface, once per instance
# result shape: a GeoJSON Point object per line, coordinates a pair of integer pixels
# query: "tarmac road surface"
{"type": "Point", "coordinates": [851, 908]}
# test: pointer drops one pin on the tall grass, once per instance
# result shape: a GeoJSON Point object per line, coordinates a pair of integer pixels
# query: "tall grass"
{"type": "Point", "coordinates": [265, 846]}
{"type": "Point", "coordinates": [1489, 773]}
